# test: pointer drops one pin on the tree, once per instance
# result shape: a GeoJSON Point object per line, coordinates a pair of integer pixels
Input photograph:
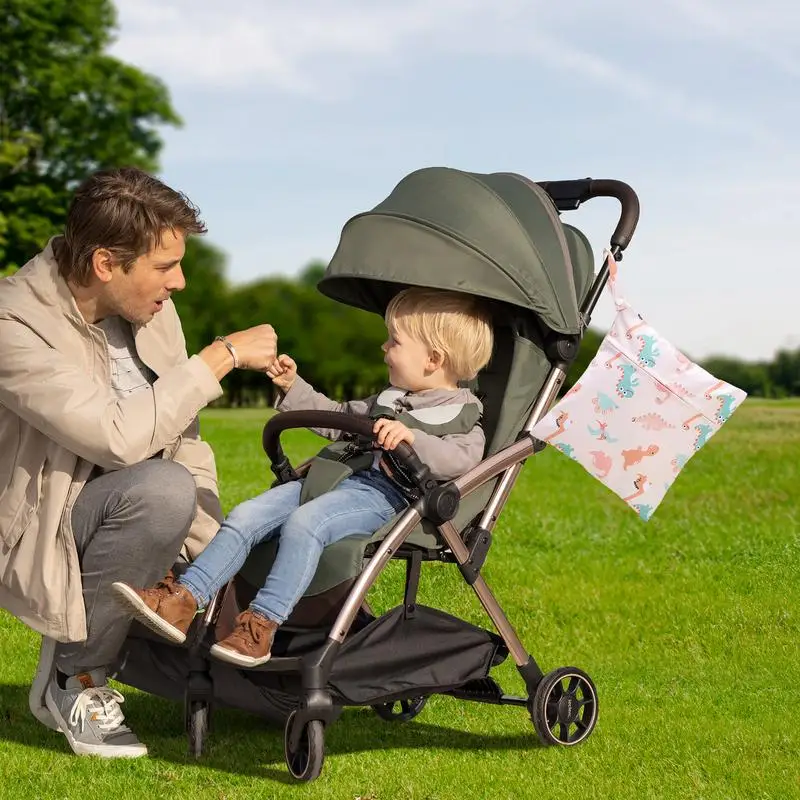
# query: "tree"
{"type": "Point", "coordinates": [337, 348]}
{"type": "Point", "coordinates": [753, 378]}
{"type": "Point", "coordinates": [66, 109]}
{"type": "Point", "coordinates": [312, 273]}
{"type": "Point", "coordinates": [784, 373]}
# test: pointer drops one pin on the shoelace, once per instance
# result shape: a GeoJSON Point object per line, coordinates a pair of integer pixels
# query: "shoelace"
{"type": "Point", "coordinates": [247, 623]}
{"type": "Point", "coordinates": [102, 704]}
{"type": "Point", "coordinates": [172, 587]}
{"type": "Point", "coordinates": [169, 581]}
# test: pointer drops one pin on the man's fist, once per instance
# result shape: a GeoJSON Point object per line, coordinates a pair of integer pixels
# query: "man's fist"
{"type": "Point", "coordinates": [256, 347]}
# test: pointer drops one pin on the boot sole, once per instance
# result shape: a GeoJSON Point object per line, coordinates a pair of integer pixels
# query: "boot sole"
{"type": "Point", "coordinates": [240, 660]}
{"type": "Point", "coordinates": [146, 616]}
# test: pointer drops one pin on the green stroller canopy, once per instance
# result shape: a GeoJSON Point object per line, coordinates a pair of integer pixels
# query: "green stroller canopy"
{"type": "Point", "coordinates": [495, 235]}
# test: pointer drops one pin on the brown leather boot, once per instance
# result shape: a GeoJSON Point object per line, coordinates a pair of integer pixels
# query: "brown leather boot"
{"type": "Point", "coordinates": [167, 608]}
{"type": "Point", "coordinates": [250, 642]}
{"type": "Point", "coordinates": [169, 578]}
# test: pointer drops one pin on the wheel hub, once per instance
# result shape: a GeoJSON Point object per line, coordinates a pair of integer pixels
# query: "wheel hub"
{"type": "Point", "coordinates": [568, 709]}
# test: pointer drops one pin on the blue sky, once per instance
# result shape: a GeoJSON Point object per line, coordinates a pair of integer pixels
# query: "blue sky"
{"type": "Point", "coordinates": [300, 114]}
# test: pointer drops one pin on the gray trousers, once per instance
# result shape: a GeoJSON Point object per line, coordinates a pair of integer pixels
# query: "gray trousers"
{"type": "Point", "coordinates": [129, 525]}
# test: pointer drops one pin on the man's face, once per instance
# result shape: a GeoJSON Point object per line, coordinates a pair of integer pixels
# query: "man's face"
{"type": "Point", "coordinates": [139, 294]}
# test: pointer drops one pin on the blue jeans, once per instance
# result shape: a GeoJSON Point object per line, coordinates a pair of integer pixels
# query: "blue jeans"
{"type": "Point", "coordinates": [359, 504]}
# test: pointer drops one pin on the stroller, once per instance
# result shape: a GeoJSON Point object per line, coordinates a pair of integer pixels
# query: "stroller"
{"type": "Point", "coordinates": [495, 235]}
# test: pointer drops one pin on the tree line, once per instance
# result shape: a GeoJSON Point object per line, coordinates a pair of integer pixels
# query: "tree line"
{"type": "Point", "coordinates": [337, 348]}
{"type": "Point", "coordinates": [68, 108]}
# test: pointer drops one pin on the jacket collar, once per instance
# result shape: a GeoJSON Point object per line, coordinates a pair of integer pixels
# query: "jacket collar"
{"type": "Point", "coordinates": [51, 288]}
{"type": "Point", "coordinates": [43, 280]}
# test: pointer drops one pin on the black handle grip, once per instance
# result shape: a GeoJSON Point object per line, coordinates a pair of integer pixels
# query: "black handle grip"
{"type": "Point", "coordinates": [568, 195]}
{"type": "Point", "coordinates": [629, 213]}
{"type": "Point", "coordinates": [347, 423]}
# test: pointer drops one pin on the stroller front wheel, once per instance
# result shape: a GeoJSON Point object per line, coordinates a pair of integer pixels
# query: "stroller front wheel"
{"type": "Point", "coordinates": [564, 708]}
{"type": "Point", "coordinates": [305, 761]}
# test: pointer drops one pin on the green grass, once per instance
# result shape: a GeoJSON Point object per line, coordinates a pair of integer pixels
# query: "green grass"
{"type": "Point", "coordinates": [688, 624]}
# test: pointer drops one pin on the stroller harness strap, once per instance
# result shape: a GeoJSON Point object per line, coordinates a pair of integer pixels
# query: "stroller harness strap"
{"type": "Point", "coordinates": [342, 458]}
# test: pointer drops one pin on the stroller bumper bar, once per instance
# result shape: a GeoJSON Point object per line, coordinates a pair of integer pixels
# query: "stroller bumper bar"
{"type": "Point", "coordinates": [440, 501]}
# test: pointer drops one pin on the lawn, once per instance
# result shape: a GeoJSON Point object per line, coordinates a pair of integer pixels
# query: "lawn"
{"type": "Point", "coordinates": [688, 624]}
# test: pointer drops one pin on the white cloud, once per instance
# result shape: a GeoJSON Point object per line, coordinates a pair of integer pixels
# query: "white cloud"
{"type": "Point", "coordinates": [630, 82]}
{"type": "Point", "coordinates": [321, 47]}
{"type": "Point", "coordinates": [274, 44]}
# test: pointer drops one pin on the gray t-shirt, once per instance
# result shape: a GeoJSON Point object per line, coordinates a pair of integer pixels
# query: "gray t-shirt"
{"type": "Point", "coordinates": [128, 373]}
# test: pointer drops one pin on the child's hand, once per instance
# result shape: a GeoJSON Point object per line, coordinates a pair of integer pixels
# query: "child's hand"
{"type": "Point", "coordinates": [283, 371]}
{"type": "Point", "coordinates": [389, 433]}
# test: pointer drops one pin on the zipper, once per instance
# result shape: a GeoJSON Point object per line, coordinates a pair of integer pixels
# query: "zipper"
{"type": "Point", "coordinates": [349, 451]}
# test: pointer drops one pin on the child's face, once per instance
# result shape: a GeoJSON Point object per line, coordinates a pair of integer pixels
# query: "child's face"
{"type": "Point", "coordinates": [408, 359]}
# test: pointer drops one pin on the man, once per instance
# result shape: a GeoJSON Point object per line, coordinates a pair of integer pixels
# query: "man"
{"type": "Point", "coordinates": [103, 474]}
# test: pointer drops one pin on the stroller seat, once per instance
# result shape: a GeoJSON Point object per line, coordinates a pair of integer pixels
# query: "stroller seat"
{"type": "Point", "coordinates": [507, 387]}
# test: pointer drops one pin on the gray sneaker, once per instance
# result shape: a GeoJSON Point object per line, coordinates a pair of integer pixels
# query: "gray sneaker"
{"type": "Point", "coordinates": [88, 714]}
{"type": "Point", "coordinates": [43, 676]}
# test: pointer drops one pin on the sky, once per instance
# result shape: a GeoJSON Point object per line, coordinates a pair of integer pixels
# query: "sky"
{"type": "Point", "coordinates": [298, 115]}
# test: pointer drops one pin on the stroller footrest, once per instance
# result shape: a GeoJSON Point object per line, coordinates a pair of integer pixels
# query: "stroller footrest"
{"type": "Point", "coordinates": [486, 690]}
{"type": "Point", "coordinates": [280, 664]}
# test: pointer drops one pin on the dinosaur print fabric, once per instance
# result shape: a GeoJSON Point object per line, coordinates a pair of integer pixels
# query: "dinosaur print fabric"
{"type": "Point", "coordinates": [639, 412]}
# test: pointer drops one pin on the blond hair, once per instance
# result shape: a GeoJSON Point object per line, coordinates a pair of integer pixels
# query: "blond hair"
{"type": "Point", "coordinates": [454, 324]}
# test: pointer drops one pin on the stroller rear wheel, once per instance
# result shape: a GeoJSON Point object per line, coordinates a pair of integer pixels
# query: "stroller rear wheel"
{"type": "Point", "coordinates": [401, 710]}
{"type": "Point", "coordinates": [198, 717]}
{"type": "Point", "coordinates": [564, 708]}
{"type": "Point", "coordinates": [305, 762]}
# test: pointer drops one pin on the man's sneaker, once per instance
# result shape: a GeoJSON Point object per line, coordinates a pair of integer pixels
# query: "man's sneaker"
{"type": "Point", "coordinates": [167, 608]}
{"type": "Point", "coordinates": [88, 713]}
{"type": "Point", "coordinates": [250, 642]}
{"type": "Point", "coordinates": [44, 674]}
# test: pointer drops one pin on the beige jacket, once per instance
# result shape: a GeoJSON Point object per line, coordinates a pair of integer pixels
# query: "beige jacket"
{"type": "Point", "coordinates": [59, 417]}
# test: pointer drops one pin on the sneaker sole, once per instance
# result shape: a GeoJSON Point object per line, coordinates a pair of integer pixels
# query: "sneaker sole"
{"type": "Point", "coordinates": [44, 671]}
{"type": "Point", "coordinates": [146, 616]}
{"type": "Point", "coordinates": [240, 660]}
{"type": "Point", "coordinates": [85, 749]}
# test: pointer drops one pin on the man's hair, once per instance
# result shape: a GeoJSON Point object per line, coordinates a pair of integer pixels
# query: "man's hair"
{"type": "Point", "coordinates": [457, 325]}
{"type": "Point", "coordinates": [124, 211]}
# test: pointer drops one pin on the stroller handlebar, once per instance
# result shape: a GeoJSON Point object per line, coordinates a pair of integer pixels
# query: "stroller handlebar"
{"type": "Point", "coordinates": [568, 195]}
{"type": "Point", "coordinates": [347, 423]}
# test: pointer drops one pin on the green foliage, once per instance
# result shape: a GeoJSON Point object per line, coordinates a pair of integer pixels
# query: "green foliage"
{"type": "Point", "coordinates": [777, 378]}
{"type": "Point", "coordinates": [312, 274]}
{"type": "Point", "coordinates": [66, 109]}
{"type": "Point", "coordinates": [754, 378]}
{"type": "Point", "coordinates": [784, 373]}
{"type": "Point", "coordinates": [337, 348]}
